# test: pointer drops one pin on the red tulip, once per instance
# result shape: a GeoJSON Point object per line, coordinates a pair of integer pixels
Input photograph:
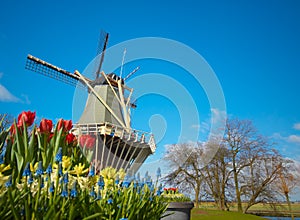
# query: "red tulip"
{"type": "Point", "coordinates": [70, 138]}
{"type": "Point", "coordinates": [60, 124]}
{"type": "Point", "coordinates": [27, 117]}
{"type": "Point", "coordinates": [87, 141]}
{"type": "Point", "coordinates": [45, 126]}
{"type": "Point", "coordinates": [50, 137]}
{"type": "Point", "coordinates": [66, 125]}
{"type": "Point", "coordinates": [12, 129]}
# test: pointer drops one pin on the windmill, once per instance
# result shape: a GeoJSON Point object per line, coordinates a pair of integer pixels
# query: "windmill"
{"type": "Point", "coordinates": [106, 118]}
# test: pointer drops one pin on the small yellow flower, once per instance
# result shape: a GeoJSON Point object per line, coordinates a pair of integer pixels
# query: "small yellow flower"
{"type": "Point", "coordinates": [3, 178]}
{"type": "Point", "coordinates": [33, 168]}
{"type": "Point", "coordinates": [121, 173]}
{"type": "Point", "coordinates": [109, 173]}
{"type": "Point", "coordinates": [79, 169]}
{"type": "Point", "coordinates": [66, 162]}
{"type": "Point", "coordinates": [3, 168]}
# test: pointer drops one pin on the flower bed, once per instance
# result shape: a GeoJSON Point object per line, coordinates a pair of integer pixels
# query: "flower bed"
{"type": "Point", "coordinates": [44, 174]}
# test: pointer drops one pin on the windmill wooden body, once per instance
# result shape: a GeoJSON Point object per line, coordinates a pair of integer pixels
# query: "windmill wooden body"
{"type": "Point", "coordinates": [106, 117]}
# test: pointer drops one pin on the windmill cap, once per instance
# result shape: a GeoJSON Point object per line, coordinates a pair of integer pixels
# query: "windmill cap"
{"type": "Point", "coordinates": [112, 77]}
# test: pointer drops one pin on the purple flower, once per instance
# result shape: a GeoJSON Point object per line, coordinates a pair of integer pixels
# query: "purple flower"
{"type": "Point", "coordinates": [39, 170]}
{"type": "Point", "coordinates": [42, 183]}
{"type": "Point", "coordinates": [101, 182]}
{"type": "Point", "coordinates": [49, 169]}
{"type": "Point", "coordinates": [30, 179]}
{"type": "Point", "coordinates": [60, 173]}
{"type": "Point", "coordinates": [74, 192]}
{"type": "Point", "coordinates": [51, 189]}
{"type": "Point", "coordinates": [98, 194]}
{"type": "Point", "coordinates": [1, 158]}
{"type": "Point", "coordinates": [66, 177]}
{"type": "Point", "coordinates": [27, 171]}
{"type": "Point", "coordinates": [110, 201]}
{"type": "Point", "coordinates": [64, 192]}
{"type": "Point", "coordinates": [58, 157]}
{"type": "Point", "coordinates": [92, 193]}
{"type": "Point", "coordinates": [92, 171]}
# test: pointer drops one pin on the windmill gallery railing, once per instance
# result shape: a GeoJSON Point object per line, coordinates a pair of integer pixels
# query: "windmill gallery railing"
{"type": "Point", "coordinates": [117, 146]}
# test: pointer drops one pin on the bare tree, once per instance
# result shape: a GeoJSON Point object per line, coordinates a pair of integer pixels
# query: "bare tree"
{"type": "Point", "coordinates": [287, 181]}
{"type": "Point", "coordinates": [216, 176]}
{"type": "Point", "coordinates": [185, 159]}
{"type": "Point", "coordinates": [244, 168]}
{"type": "Point", "coordinates": [260, 176]}
{"type": "Point", "coordinates": [238, 135]}
{"type": "Point", "coordinates": [254, 165]}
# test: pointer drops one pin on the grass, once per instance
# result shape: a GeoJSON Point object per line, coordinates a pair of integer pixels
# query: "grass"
{"type": "Point", "coordinates": [281, 207]}
{"type": "Point", "coordinates": [208, 211]}
{"type": "Point", "coordinates": [201, 214]}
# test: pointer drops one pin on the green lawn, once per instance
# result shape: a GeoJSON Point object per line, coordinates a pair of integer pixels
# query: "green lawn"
{"type": "Point", "coordinates": [201, 214]}
{"type": "Point", "coordinates": [209, 211]}
{"type": "Point", "coordinates": [262, 207]}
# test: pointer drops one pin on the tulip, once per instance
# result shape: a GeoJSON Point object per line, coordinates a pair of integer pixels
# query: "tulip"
{"type": "Point", "coordinates": [12, 129]}
{"type": "Point", "coordinates": [70, 138]}
{"type": "Point", "coordinates": [27, 118]}
{"type": "Point", "coordinates": [66, 125]}
{"type": "Point", "coordinates": [87, 141]}
{"type": "Point", "coordinates": [46, 126]}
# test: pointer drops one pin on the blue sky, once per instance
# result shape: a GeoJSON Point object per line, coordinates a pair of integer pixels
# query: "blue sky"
{"type": "Point", "coordinates": [252, 46]}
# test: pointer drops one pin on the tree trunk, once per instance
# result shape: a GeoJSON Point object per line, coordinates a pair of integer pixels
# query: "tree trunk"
{"type": "Point", "coordinates": [237, 190]}
{"type": "Point", "coordinates": [197, 197]}
{"type": "Point", "coordinates": [289, 205]}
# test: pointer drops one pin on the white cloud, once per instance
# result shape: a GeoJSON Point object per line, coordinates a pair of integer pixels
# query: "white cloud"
{"type": "Point", "coordinates": [278, 136]}
{"type": "Point", "coordinates": [294, 139]}
{"type": "Point", "coordinates": [218, 116]}
{"type": "Point", "coordinates": [6, 96]}
{"type": "Point", "coordinates": [297, 126]}
{"type": "Point", "coordinates": [27, 101]}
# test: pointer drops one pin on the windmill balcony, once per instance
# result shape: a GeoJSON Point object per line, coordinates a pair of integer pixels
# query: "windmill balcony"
{"type": "Point", "coordinates": [117, 146]}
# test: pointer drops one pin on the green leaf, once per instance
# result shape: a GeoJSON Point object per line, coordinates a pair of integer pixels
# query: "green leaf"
{"type": "Point", "coordinates": [93, 216]}
{"type": "Point", "coordinates": [20, 161]}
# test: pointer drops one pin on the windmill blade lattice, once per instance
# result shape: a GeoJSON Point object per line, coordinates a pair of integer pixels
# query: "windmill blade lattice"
{"type": "Point", "coordinates": [47, 69]}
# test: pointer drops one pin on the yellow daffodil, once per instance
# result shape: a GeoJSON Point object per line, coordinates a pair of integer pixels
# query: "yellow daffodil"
{"type": "Point", "coordinates": [109, 173]}
{"type": "Point", "coordinates": [79, 170]}
{"type": "Point", "coordinates": [66, 162]}
{"type": "Point", "coordinates": [121, 173]}
{"type": "Point", "coordinates": [33, 168]}
{"type": "Point", "coordinates": [3, 178]}
{"type": "Point", "coordinates": [3, 168]}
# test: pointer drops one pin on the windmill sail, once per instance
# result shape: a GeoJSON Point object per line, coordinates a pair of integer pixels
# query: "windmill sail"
{"type": "Point", "coordinates": [103, 40]}
{"type": "Point", "coordinates": [42, 67]}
